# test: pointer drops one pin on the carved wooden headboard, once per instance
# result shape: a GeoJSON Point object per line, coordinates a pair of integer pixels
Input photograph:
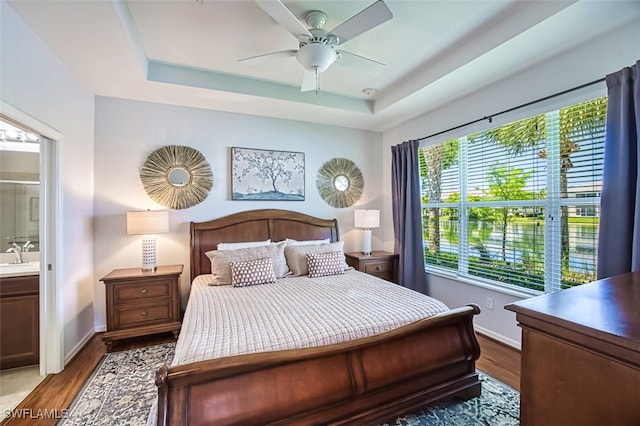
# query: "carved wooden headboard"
{"type": "Point", "coordinates": [255, 225]}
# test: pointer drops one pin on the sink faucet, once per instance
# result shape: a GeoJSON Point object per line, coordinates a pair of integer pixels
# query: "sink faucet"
{"type": "Point", "coordinates": [17, 251]}
{"type": "Point", "coordinates": [27, 246]}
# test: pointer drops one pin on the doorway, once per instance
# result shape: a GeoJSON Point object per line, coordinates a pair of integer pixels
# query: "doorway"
{"type": "Point", "coordinates": [19, 264]}
{"type": "Point", "coordinates": [32, 240]}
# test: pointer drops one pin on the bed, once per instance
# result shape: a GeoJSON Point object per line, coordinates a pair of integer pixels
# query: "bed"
{"type": "Point", "coordinates": [368, 376]}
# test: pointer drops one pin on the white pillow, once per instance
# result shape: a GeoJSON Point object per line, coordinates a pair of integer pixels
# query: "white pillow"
{"type": "Point", "coordinates": [291, 242]}
{"type": "Point", "coordinates": [220, 259]}
{"type": "Point", "coordinates": [297, 255]}
{"type": "Point", "coordinates": [236, 246]}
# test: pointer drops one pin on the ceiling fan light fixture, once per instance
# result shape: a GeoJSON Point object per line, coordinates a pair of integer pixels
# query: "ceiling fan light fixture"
{"type": "Point", "coordinates": [316, 50]}
{"type": "Point", "coordinates": [316, 57]}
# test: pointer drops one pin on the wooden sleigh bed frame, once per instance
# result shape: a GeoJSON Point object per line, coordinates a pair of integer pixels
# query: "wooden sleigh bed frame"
{"type": "Point", "coordinates": [356, 382]}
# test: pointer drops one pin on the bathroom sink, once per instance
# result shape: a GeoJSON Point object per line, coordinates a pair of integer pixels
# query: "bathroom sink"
{"type": "Point", "coordinates": [19, 269]}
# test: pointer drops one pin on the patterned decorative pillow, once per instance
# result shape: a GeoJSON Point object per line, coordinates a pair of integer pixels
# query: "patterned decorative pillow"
{"type": "Point", "coordinates": [221, 272]}
{"type": "Point", "coordinates": [325, 264]}
{"type": "Point", "coordinates": [296, 255]}
{"type": "Point", "coordinates": [253, 272]}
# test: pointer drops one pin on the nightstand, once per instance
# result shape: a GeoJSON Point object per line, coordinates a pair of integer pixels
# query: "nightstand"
{"type": "Point", "coordinates": [140, 302]}
{"type": "Point", "coordinates": [382, 264]}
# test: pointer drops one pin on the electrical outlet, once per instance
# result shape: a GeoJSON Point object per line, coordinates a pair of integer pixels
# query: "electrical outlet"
{"type": "Point", "coordinates": [489, 303]}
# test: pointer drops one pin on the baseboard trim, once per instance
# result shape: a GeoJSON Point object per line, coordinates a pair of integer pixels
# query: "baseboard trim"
{"type": "Point", "coordinates": [78, 347]}
{"type": "Point", "coordinates": [101, 329]}
{"type": "Point", "coordinates": [498, 337]}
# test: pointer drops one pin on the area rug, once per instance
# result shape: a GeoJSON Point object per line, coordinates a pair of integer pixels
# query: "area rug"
{"type": "Point", "coordinates": [121, 391]}
{"type": "Point", "coordinates": [121, 388]}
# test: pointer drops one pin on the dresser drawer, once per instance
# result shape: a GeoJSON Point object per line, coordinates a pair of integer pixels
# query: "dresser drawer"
{"type": "Point", "coordinates": [377, 268]}
{"type": "Point", "coordinates": [135, 291]}
{"type": "Point", "coordinates": [134, 316]}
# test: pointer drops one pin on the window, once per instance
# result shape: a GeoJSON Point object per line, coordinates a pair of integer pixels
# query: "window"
{"type": "Point", "coordinates": [518, 204]}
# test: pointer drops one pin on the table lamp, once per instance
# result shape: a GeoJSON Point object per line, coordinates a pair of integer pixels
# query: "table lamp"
{"type": "Point", "coordinates": [148, 223]}
{"type": "Point", "coordinates": [366, 219]}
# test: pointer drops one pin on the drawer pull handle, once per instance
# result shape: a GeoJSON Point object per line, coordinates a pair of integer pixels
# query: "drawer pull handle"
{"type": "Point", "coordinates": [377, 268]}
{"type": "Point", "coordinates": [144, 291]}
{"type": "Point", "coordinates": [144, 313]}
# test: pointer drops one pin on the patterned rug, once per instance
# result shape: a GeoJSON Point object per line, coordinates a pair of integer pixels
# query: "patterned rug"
{"type": "Point", "coordinates": [121, 391]}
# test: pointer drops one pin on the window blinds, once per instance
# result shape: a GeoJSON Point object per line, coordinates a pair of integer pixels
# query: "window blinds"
{"type": "Point", "coordinates": [518, 204]}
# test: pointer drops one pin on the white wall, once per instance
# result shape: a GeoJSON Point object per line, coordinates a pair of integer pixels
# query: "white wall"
{"type": "Point", "coordinates": [588, 62]}
{"type": "Point", "coordinates": [128, 131]}
{"type": "Point", "coordinates": [33, 80]}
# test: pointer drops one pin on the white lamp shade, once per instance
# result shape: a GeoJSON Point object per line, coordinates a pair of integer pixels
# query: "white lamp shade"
{"type": "Point", "coordinates": [148, 222]}
{"type": "Point", "coordinates": [366, 219]}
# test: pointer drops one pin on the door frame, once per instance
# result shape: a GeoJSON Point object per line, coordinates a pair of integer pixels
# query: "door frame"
{"type": "Point", "coordinates": [51, 320]}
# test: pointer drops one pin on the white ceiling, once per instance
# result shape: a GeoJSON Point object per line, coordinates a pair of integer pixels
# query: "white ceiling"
{"type": "Point", "coordinates": [186, 52]}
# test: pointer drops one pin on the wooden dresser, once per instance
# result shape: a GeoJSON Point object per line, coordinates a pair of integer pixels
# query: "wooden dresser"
{"type": "Point", "coordinates": [382, 264]}
{"type": "Point", "coordinates": [141, 303]}
{"type": "Point", "coordinates": [581, 355]}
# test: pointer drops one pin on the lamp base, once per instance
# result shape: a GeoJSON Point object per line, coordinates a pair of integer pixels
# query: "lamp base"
{"type": "Point", "coordinates": [149, 254]}
{"type": "Point", "coordinates": [366, 242]}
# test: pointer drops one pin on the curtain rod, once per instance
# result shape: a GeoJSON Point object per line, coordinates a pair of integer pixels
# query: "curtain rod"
{"type": "Point", "coordinates": [490, 117]}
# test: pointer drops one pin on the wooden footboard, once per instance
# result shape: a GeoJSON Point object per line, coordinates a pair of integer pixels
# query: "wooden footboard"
{"type": "Point", "coordinates": [355, 382]}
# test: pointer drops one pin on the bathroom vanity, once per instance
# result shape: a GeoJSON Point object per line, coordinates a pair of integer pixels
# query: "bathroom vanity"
{"type": "Point", "coordinates": [19, 315]}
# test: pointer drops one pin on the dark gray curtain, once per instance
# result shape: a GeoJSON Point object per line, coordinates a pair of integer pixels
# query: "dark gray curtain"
{"type": "Point", "coordinates": [407, 222]}
{"type": "Point", "coordinates": [619, 235]}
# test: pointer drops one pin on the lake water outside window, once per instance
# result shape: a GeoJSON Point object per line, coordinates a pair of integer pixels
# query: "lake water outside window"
{"type": "Point", "coordinates": [518, 204]}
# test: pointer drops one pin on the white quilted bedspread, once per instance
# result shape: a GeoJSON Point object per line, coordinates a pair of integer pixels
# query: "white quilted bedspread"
{"type": "Point", "coordinates": [294, 313]}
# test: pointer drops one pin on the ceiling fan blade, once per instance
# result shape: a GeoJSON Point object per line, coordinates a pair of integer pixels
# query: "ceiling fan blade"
{"type": "Point", "coordinates": [284, 17]}
{"type": "Point", "coordinates": [360, 63]}
{"type": "Point", "coordinates": [267, 56]}
{"type": "Point", "coordinates": [362, 22]}
{"type": "Point", "coordinates": [309, 81]}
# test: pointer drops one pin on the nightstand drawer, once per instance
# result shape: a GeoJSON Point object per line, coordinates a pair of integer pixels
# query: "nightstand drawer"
{"type": "Point", "coordinates": [132, 316]}
{"type": "Point", "coordinates": [130, 292]}
{"type": "Point", "coordinates": [376, 268]}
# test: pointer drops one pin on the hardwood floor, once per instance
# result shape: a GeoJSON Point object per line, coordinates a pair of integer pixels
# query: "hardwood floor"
{"type": "Point", "coordinates": [56, 392]}
{"type": "Point", "coordinates": [499, 361]}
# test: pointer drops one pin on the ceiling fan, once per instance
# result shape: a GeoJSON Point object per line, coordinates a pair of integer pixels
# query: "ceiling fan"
{"type": "Point", "coordinates": [317, 46]}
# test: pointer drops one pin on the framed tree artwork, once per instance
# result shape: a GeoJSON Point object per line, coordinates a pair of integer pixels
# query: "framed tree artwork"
{"type": "Point", "coordinates": [260, 174]}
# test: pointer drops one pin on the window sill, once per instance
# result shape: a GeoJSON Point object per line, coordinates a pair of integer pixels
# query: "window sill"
{"type": "Point", "coordinates": [505, 289]}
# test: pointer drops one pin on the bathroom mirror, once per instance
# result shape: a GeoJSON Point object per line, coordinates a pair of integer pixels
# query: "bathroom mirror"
{"type": "Point", "coordinates": [19, 189]}
{"type": "Point", "coordinates": [176, 176]}
{"type": "Point", "coordinates": [19, 199]}
{"type": "Point", "coordinates": [340, 182]}
{"type": "Point", "coordinates": [20, 217]}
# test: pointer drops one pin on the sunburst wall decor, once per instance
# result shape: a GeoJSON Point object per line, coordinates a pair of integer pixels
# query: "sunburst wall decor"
{"type": "Point", "coordinates": [176, 176]}
{"type": "Point", "coordinates": [340, 182]}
